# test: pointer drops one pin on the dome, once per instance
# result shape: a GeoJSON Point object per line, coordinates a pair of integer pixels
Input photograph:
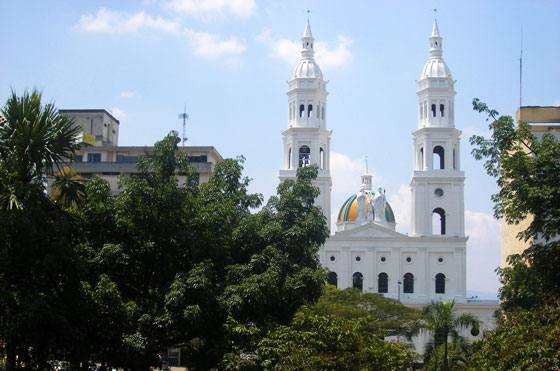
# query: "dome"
{"type": "Point", "coordinates": [347, 212]}
{"type": "Point", "coordinates": [435, 67]}
{"type": "Point", "coordinates": [307, 68]}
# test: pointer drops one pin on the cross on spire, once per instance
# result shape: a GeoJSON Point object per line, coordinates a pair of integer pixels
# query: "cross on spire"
{"type": "Point", "coordinates": [435, 13]}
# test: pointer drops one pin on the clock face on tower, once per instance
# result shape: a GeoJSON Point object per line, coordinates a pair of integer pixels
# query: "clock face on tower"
{"type": "Point", "coordinates": [438, 192]}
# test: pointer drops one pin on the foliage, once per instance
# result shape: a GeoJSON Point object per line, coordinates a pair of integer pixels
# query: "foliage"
{"type": "Point", "coordinates": [40, 291]}
{"type": "Point", "coordinates": [344, 330]}
{"type": "Point", "coordinates": [527, 170]}
{"type": "Point", "coordinates": [182, 259]}
{"type": "Point", "coordinates": [443, 322]}
{"type": "Point", "coordinates": [523, 340]}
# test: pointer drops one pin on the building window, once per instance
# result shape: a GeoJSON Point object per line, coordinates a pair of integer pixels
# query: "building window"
{"type": "Point", "coordinates": [408, 284]}
{"type": "Point", "coordinates": [454, 160]}
{"type": "Point", "coordinates": [332, 279]}
{"type": "Point", "coordinates": [94, 157]}
{"type": "Point", "coordinates": [333, 258]}
{"type": "Point", "coordinates": [301, 110]}
{"type": "Point", "coordinates": [382, 283]}
{"type": "Point", "coordinates": [421, 158]}
{"type": "Point", "coordinates": [441, 109]}
{"type": "Point", "coordinates": [441, 213]}
{"type": "Point", "coordinates": [440, 283]}
{"type": "Point", "coordinates": [310, 110]}
{"type": "Point", "coordinates": [358, 281]}
{"type": "Point", "coordinates": [304, 153]}
{"type": "Point", "coordinates": [433, 110]}
{"type": "Point", "coordinates": [78, 158]}
{"type": "Point", "coordinates": [438, 162]}
{"type": "Point", "coordinates": [321, 158]}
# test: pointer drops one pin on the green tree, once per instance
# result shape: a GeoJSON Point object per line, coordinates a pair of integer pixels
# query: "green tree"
{"type": "Point", "coordinates": [344, 330]}
{"type": "Point", "coordinates": [442, 321]}
{"type": "Point", "coordinates": [40, 289]}
{"type": "Point", "coordinates": [523, 340]}
{"type": "Point", "coordinates": [527, 170]}
{"type": "Point", "coordinates": [184, 258]}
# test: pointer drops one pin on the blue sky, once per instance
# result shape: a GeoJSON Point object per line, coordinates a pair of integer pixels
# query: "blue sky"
{"type": "Point", "coordinates": [229, 60]}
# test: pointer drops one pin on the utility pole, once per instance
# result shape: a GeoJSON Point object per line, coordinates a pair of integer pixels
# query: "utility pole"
{"type": "Point", "coordinates": [184, 116]}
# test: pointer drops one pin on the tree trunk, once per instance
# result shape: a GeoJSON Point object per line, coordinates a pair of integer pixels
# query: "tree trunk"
{"type": "Point", "coordinates": [11, 355]}
{"type": "Point", "coordinates": [445, 364]}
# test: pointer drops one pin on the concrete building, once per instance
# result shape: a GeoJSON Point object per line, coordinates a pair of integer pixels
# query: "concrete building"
{"type": "Point", "coordinates": [365, 251]}
{"type": "Point", "coordinates": [541, 120]}
{"type": "Point", "coordinates": [102, 156]}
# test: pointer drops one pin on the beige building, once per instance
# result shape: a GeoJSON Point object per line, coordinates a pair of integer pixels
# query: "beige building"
{"type": "Point", "coordinates": [102, 156]}
{"type": "Point", "coordinates": [542, 120]}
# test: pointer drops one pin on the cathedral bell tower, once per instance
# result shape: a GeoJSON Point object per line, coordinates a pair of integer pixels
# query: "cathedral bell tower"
{"type": "Point", "coordinates": [307, 141]}
{"type": "Point", "coordinates": [437, 181]}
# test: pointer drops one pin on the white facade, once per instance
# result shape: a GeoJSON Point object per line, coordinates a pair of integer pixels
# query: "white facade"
{"type": "Point", "coordinates": [430, 264]}
{"type": "Point", "coordinates": [307, 141]}
{"type": "Point", "coordinates": [366, 252]}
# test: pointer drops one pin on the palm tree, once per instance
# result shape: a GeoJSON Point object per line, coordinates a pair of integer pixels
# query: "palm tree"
{"type": "Point", "coordinates": [68, 189]}
{"type": "Point", "coordinates": [34, 139]}
{"type": "Point", "coordinates": [442, 321]}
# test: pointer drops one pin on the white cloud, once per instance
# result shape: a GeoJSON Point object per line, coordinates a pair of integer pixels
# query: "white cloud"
{"type": "Point", "coordinates": [107, 21]}
{"type": "Point", "coordinates": [207, 10]}
{"type": "Point", "coordinates": [401, 204]}
{"type": "Point", "coordinates": [326, 55]}
{"type": "Point", "coordinates": [483, 251]}
{"type": "Point", "coordinates": [127, 94]}
{"type": "Point", "coordinates": [203, 44]}
{"type": "Point", "coordinates": [335, 56]}
{"type": "Point", "coordinates": [118, 113]}
{"type": "Point", "coordinates": [212, 46]}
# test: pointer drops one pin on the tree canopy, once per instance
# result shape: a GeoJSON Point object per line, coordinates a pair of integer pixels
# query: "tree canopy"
{"type": "Point", "coordinates": [526, 168]}
{"type": "Point", "coordinates": [177, 259]}
{"type": "Point", "coordinates": [344, 330]}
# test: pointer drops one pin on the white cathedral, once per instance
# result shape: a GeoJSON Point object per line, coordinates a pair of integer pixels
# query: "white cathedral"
{"type": "Point", "coordinates": [365, 251]}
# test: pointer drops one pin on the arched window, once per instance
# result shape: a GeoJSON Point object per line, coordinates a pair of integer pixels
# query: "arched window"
{"type": "Point", "coordinates": [441, 108]}
{"type": "Point", "coordinates": [440, 283]}
{"type": "Point", "coordinates": [408, 284]}
{"type": "Point", "coordinates": [382, 283]}
{"type": "Point", "coordinates": [441, 222]}
{"type": "Point", "coordinates": [310, 110]}
{"type": "Point", "coordinates": [421, 158]}
{"type": "Point", "coordinates": [438, 161]}
{"type": "Point", "coordinates": [301, 110]}
{"type": "Point", "coordinates": [290, 158]}
{"type": "Point", "coordinates": [323, 113]}
{"type": "Point", "coordinates": [321, 158]}
{"type": "Point", "coordinates": [358, 281]}
{"type": "Point", "coordinates": [318, 110]}
{"type": "Point", "coordinates": [304, 154]}
{"type": "Point", "coordinates": [433, 110]}
{"type": "Point", "coordinates": [332, 279]}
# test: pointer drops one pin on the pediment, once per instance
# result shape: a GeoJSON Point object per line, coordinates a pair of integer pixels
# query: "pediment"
{"type": "Point", "coordinates": [369, 230]}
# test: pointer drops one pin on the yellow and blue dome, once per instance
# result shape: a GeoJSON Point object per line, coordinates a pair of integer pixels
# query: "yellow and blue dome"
{"type": "Point", "coordinates": [349, 208]}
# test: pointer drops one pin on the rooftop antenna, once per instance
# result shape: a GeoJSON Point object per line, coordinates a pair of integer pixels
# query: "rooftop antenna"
{"type": "Point", "coordinates": [184, 116]}
{"type": "Point", "coordinates": [521, 70]}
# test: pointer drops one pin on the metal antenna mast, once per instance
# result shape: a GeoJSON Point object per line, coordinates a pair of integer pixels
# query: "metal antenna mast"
{"type": "Point", "coordinates": [521, 70]}
{"type": "Point", "coordinates": [184, 116]}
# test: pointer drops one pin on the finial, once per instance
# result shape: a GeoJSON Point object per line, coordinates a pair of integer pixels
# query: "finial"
{"type": "Point", "coordinates": [308, 11]}
{"type": "Point", "coordinates": [366, 166]}
{"type": "Point", "coordinates": [435, 12]}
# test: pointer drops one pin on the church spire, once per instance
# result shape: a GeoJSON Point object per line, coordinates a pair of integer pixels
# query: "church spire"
{"type": "Point", "coordinates": [307, 51]}
{"type": "Point", "coordinates": [436, 50]}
